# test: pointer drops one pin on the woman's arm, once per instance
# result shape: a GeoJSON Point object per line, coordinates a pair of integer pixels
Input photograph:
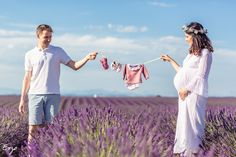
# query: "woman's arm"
{"type": "Point", "coordinates": [183, 93]}
{"type": "Point", "coordinates": [198, 84]}
{"type": "Point", "coordinates": [174, 64]}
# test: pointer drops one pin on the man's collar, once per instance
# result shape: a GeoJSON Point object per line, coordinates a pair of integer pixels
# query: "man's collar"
{"type": "Point", "coordinates": [39, 49]}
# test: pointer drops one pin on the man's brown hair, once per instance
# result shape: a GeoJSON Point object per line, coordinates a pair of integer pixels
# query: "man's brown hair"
{"type": "Point", "coordinates": [43, 27]}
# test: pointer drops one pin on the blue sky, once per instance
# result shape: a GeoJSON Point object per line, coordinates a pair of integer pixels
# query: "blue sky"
{"type": "Point", "coordinates": [131, 31]}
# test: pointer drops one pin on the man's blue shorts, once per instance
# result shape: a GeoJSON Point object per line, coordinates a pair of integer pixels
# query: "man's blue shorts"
{"type": "Point", "coordinates": [43, 108]}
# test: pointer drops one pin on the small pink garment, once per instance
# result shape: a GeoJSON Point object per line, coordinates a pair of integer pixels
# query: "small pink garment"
{"type": "Point", "coordinates": [133, 75]}
{"type": "Point", "coordinates": [115, 66]}
{"type": "Point", "coordinates": [104, 63]}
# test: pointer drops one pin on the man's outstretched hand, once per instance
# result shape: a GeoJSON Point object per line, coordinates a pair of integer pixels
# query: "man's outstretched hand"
{"type": "Point", "coordinates": [92, 56]}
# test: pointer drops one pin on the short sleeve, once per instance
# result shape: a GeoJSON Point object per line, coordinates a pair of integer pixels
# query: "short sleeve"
{"type": "Point", "coordinates": [64, 58]}
{"type": "Point", "coordinates": [145, 72]}
{"type": "Point", "coordinates": [28, 65]}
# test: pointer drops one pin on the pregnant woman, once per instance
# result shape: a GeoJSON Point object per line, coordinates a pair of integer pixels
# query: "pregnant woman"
{"type": "Point", "coordinates": [191, 82]}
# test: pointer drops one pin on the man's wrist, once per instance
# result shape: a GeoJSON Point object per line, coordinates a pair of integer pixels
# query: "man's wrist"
{"type": "Point", "coordinates": [87, 57]}
{"type": "Point", "coordinates": [24, 98]}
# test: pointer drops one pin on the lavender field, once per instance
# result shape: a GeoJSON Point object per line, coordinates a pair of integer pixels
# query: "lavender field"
{"type": "Point", "coordinates": [115, 127]}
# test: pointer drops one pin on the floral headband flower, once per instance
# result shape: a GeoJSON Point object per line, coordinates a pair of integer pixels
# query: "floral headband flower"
{"type": "Point", "coordinates": [192, 30]}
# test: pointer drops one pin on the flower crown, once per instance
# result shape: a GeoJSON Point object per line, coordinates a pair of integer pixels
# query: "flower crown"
{"type": "Point", "coordinates": [192, 30]}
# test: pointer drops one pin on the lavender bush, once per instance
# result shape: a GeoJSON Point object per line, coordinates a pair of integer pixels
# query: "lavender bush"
{"type": "Point", "coordinates": [13, 127]}
{"type": "Point", "coordinates": [115, 127]}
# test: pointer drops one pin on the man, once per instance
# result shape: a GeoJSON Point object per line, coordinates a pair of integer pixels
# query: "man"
{"type": "Point", "coordinates": [41, 80]}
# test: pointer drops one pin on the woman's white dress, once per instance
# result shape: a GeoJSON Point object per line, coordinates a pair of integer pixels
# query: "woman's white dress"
{"type": "Point", "coordinates": [193, 76]}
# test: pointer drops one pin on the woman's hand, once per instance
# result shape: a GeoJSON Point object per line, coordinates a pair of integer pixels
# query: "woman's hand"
{"type": "Point", "coordinates": [166, 58]}
{"type": "Point", "coordinates": [172, 61]}
{"type": "Point", "coordinates": [183, 93]}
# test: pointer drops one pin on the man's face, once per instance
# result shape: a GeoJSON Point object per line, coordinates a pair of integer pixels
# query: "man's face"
{"type": "Point", "coordinates": [45, 37]}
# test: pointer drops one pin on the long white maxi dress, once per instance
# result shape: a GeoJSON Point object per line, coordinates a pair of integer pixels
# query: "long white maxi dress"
{"type": "Point", "coordinates": [193, 76]}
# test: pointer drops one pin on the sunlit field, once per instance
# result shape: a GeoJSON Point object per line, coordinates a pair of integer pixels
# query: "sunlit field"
{"type": "Point", "coordinates": [115, 127]}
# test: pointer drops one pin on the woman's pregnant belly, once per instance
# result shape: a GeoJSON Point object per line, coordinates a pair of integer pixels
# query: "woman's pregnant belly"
{"type": "Point", "coordinates": [180, 79]}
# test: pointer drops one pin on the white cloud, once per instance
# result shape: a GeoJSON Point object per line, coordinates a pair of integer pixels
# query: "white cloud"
{"type": "Point", "coordinates": [108, 43]}
{"type": "Point", "coordinates": [2, 17]}
{"type": "Point", "coordinates": [8, 22]}
{"type": "Point", "coordinates": [10, 33]}
{"type": "Point", "coordinates": [21, 25]}
{"type": "Point", "coordinates": [94, 27]}
{"type": "Point", "coordinates": [13, 42]}
{"type": "Point", "coordinates": [161, 4]}
{"type": "Point", "coordinates": [127, 29]}
{"type": "Point", "coordinates": [143, 29]}
{"type": "Point", "coordinates": [118, 28]}
{"type": "Point", "coordinates": [125, 50]}
{"type": "Point", "coordinates": [226, 53]}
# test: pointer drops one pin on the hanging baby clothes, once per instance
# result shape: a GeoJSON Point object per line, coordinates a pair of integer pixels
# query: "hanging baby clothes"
{"type": "Point", "coordinates": [115, 66]}
{"type": "Point", "coordinates": [133, 75]}
{"type": "Point", "coordinates": [104, 63]}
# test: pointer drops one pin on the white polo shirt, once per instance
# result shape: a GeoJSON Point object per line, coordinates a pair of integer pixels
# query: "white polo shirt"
{"type": "Point", "coordinates": [45, 67]}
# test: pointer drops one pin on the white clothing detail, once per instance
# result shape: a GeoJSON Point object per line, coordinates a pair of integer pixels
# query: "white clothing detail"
{"type": "Point", "coordinates": [45, 68]}
{"type": "Point", "coordinates": [193, 76]}
{"type": "Point", "coordinates": [190, 124]}
{"type": "Point", "coordinates": [133, 86]}
{"type": "Point", "coordinates": [136, 67]}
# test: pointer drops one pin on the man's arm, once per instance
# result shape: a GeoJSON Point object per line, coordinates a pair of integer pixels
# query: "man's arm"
{"type": "Point", "coordinates": [24, 91]}
{"type": "Point", "coordinates": [76, 65]}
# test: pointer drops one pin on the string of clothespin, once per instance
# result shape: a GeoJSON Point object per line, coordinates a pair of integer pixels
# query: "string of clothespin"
{"type": "Point", "coordinates": [117, 66]}
{"type": "Point", "coordinates": [147, 62]}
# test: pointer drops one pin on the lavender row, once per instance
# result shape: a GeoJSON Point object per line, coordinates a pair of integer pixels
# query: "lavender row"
{"type": "Point", "coordinates": [114, 128]}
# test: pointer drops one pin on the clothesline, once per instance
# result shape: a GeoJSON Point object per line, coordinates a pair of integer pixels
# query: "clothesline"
{"type": "Point", "coordinates": [147, 62]}
{"type": "Point", "coordinates": [132, 73]}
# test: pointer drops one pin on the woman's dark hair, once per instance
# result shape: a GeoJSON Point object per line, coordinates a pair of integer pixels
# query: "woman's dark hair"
{"type": "Point", "coordinates": [200, 39]}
